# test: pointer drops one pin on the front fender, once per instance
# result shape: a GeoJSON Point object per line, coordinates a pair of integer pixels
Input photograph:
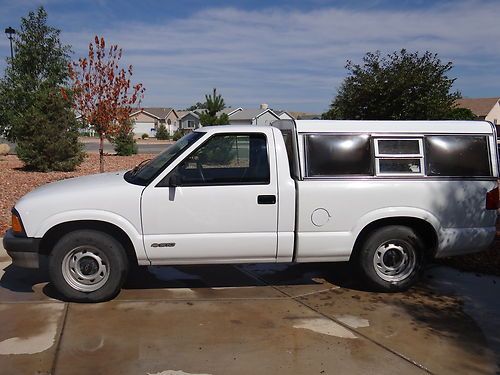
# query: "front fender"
{"type": "Point", "coordinates": [135, 234]}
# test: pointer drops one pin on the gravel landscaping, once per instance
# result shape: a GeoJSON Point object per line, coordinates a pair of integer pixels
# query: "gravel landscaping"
{"type": "Point", "coordinates": [15, 182]}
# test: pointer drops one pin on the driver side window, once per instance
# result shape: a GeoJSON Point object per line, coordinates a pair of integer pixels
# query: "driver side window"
{"type": "Point", "coordinates": [227, 159]}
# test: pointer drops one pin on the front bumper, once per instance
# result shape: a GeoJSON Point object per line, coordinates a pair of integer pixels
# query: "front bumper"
{"type": "Point", "coordinates": [24, 251]}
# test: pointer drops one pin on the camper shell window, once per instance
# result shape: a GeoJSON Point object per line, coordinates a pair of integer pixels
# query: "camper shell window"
{"type": "Point", "coordinates": [457, 155]}
{"type": "Point", "coordinates": [338, 155]}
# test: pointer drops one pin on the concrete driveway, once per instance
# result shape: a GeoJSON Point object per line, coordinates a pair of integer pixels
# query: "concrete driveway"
{"type": "Point", "coordinates": [253, 319]}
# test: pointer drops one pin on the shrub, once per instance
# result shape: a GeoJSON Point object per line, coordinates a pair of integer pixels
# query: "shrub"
{"type": "Point", "coordinates": [47, 134]}
{"type": "Point", "coordinates": [144, 136]}
{"type": "Point", "coordinates": [4, 149]}
{"type": "Point", "coordinates": [177, 135]}
{"type": "Point", "coordinates": [124, 142]}
{"type": "Point", "coordinates": [162, 132]}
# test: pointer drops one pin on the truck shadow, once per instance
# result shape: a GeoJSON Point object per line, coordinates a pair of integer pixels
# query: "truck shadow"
{"type": "Point", "coordinates": [28, 281]}
{"type": "Point", "coordinates": [220, 276]}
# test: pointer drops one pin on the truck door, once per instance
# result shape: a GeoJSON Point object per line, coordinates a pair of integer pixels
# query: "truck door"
{"type": "Point", "coordinates": [219, 204]}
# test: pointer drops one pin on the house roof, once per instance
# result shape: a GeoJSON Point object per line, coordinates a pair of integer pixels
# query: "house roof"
{"type": "Point", "coordinates": [279, 113]}
{"type": "Point", "coordinates": [229, 111]}
{"type": "Point", "coordinates": [183, 114]}
{"type": "Point", "coordinates": [249, 114]}
{"type": "Point", "coordinates": [158, 112]}
{"type": "Point", "coordinates": [479, 106]}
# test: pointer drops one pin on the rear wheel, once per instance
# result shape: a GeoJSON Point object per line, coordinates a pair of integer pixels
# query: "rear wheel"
{"type": "Point", "coordinates": [391, 258]}
{"type": "Point", "coordinates": [88, 266]}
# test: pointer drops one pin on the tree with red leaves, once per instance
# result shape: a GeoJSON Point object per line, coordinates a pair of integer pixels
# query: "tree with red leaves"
{"type": "Point", "coordinates": [102, 91]}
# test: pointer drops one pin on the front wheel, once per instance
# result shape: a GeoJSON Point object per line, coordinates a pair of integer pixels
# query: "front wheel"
{"type": "Point", "coordinates": [88, 266]}
{"type": "Point", "coordinates": [391, 258]}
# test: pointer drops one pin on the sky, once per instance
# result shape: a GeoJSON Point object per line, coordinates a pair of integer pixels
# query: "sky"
{"type": "Point", "coordinates": [290, 54]}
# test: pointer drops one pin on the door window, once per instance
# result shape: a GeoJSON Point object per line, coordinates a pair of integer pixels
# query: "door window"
{"type": "Point", "coordinates": [227, 159]}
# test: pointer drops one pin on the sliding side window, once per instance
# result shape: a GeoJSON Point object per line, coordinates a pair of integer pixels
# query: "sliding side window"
{"type": "Point", "coordinates": [399, 156]}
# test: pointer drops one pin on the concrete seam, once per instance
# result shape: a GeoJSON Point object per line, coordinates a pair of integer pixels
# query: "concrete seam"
{"type": "Point", "coordinates": [59, 339]}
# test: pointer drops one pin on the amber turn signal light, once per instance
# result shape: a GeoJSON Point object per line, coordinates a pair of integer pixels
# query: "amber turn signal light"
{"type": "Point", "coordinates": [17, 227]}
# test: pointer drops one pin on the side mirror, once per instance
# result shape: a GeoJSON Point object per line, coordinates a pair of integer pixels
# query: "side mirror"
{"type": "Point", "coordinates": [174, 180]}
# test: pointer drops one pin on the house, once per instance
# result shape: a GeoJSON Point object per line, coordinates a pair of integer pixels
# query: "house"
{"type": "Point", "coordinates": [241, 116]}
{"type": "Point", "coordinates": [284, 115]}
{"type": "Point", "coordinates": [484, 108]}
{"type": "Point", "coordinates": [229, 111]}
{"type": "Point", "coordinates": [147, 120]}
{"type": "Point", "coordinates": [188, 120]}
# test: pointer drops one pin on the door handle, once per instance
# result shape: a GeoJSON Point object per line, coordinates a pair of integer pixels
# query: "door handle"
{"type": "Point", "coordinates": [266, 199]}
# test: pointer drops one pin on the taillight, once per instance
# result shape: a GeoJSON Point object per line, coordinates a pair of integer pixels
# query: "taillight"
{"type": "Point", "coordinates": [492, 198]}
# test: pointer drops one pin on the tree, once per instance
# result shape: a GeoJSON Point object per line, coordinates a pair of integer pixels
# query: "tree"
{"type": "Point", "coordinates": [34, 111]}
{"type": "Point", "coordinates": [123, 140]}
{"type": "Point", "coordinates": [196, 106]}
{"type": "Point", "coordinates": [399, 86]}
{"type": "Point", "coordinates": [162, 132]}
{"type": "Point", "coordinates": [214, 104]}
{"type": "Point", "coordinates": [459, 113]}
{"type": "Point", "coordinates": [104, 95]}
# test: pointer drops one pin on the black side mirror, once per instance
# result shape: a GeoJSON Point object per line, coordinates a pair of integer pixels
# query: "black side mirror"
{"type": "Point", "coordinates": [174, 180]}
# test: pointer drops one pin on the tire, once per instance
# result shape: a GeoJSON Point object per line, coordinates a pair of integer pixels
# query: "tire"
{"type": "Point", "coordinates": [391, 258]}
{"type": "Point", "coordinates": [88, 266]}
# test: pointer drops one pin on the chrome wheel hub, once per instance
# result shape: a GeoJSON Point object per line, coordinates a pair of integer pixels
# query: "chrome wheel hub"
{"type": "Point", "coordinates": [85, 268]}
{"type": "Point", "coordinates": [394, 261]}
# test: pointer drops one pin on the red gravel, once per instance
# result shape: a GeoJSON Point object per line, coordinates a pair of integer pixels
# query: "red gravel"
{"type": "Point", "coordinates": [15, 182]}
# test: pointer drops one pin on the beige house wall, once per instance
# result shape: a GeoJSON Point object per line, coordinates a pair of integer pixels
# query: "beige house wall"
{"type": "Point", "coordinates": [494, 114]}
{"type": "Point", "coordinates": [174, 123]}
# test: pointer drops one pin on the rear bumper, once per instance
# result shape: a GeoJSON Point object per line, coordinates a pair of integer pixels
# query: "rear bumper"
{"type": "Point", "coordinates": [24, 251]}
{"type": "Point", "coordinates": [458, 241]}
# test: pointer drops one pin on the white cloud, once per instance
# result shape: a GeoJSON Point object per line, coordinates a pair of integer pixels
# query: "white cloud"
{"type": "Point", "coordinates": [295, 59]}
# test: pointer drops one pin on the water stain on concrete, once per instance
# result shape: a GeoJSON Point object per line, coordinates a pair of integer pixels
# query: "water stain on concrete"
{"type": "Point", "coordinates": [175, 372]}
{"type": "Point", "coordinates": [353, 321]}
{"type": "Point", "coordinates": [39, 342]}
{"type": "Point", "coordinates": [325, 327]}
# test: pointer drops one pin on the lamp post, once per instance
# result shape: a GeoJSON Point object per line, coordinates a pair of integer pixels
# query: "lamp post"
{"type": "Point", "coordinates": [10, 31]}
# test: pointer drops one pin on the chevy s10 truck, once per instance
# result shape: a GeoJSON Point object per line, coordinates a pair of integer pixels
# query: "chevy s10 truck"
{"type": "Point", "coordinates": [385, 195]}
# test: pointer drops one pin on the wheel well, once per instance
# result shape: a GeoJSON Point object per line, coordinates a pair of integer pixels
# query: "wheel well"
{"type": "Point", "coordinates": [423, 228]}
{"type": "Point", "coordinates": [55, 233]}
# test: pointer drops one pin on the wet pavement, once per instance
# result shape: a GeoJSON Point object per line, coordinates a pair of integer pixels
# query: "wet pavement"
{"type": "Point", "coordinates": [251, 319]}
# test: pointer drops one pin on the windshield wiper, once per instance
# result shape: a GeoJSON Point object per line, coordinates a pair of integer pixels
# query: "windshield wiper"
{"type": "Point", "coordinates": [138, 167]}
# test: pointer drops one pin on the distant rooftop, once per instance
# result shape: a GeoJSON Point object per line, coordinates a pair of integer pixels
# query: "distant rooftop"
{"type": "Point", "coordinates": [479, 106]}
{"type": "Point", "coordinates": [159, 112]}
{"type": "Point", "coordinates": [247, 114]}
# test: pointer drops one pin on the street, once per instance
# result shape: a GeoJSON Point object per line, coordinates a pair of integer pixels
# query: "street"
{"type": "Point", "coordinates": [92, 145]}
{"type": "Point", "coordinates": [142, 148]}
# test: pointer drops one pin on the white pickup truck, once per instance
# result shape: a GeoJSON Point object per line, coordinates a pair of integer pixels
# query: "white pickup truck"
{"type": "Point", "coordinates": [386, 195]}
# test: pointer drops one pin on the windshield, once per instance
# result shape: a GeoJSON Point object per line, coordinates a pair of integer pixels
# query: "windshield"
{"type": "Point", "coordinates": [146, 172]}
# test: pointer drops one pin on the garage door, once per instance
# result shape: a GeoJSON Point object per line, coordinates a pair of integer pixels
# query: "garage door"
{"type": "Point", "coordinates": [141, 128]}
